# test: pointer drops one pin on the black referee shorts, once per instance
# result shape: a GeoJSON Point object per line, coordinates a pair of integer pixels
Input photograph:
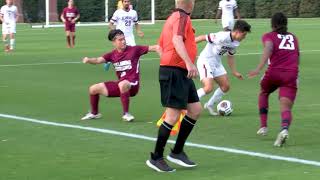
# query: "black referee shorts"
{"type": "Point", "coordinates": [176, 89]}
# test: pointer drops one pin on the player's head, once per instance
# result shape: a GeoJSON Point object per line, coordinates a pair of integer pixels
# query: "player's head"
{"type": "Point", "coordinates": [240, 30]}
{"type": "Point", "coordinates": [279, 23]}
{"type": "Point", "coordinates": [118, 39]}
{"type": "Point", "coordinates": [70, 2]}
{"type": "Point", "coordinates": [126, 4]}
{"type": "Point", "coordinates": [186, 5]}
{"type": "Point", "coordinates": [9, 2]}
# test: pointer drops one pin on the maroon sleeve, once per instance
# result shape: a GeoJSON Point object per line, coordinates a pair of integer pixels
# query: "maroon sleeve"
{"type": "Point", "coordinates": [141, 50]}
{"type": "Point", "coordinates": [107, 57]}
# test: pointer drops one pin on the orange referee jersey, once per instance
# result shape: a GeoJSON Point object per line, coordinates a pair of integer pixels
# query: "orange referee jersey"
{"type": "Point", "coordinates": [178, 23]}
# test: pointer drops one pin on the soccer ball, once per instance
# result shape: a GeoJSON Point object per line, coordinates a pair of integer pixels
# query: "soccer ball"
{"type": "Point", "coordinates": [224, 108]}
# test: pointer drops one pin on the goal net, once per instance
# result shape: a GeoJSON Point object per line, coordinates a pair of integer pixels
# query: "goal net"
{"type": "Point", "coordinates": [46, 13]}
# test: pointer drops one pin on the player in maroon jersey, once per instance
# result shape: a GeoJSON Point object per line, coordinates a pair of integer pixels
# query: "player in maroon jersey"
{"type": "Point", "coordinates": [70, 15]}
{"type": "Point", "coordinates": [125, 60]}
{"type": "Point", "coordinates": [282, 49]}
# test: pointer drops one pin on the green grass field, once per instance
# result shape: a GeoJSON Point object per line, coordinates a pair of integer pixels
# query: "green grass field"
{"type": "Point", "coordinates": [44, 80]}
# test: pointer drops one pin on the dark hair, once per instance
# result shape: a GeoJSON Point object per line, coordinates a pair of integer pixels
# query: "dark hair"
{"type": "Point", "coordinates": [242, 26]}
{"type": "Point", "coordinates": [279, 23]}
{"type": "Point", "coordinates": [113, 33]}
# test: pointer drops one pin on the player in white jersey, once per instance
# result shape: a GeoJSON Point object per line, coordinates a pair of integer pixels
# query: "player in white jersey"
{"type": "Point", "coordinates": [227, 9]}
{"type": "Point", "coordinates": [125, 19]}
{"type": "Point", "coordinates": [9, 17]}
{"type": "Point", "coordinates": [209, 62]}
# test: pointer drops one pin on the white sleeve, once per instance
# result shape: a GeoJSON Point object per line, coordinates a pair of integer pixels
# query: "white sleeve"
{"type": "Point", "coordinates": [214, 38]}
{"type": "Point", "coordinates": [135, 19]}
{"type": "Point", "coordinates": [235, 6]}
{"type": "Point", "coordinates": [114, 17]}
{"type": "Point", "coordinates": [220, 5]}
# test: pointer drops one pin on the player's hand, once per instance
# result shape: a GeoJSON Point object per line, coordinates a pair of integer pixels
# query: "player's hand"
{"type": "Point", "coordinates": [85, 60]}
{"type": "Point", "coordinates": [63, 20]}
{"type": "Point", "coordinates": [140, 34]}
{"type": "Point", "coordinates": [159, 50]}
{"type": "Point", "coordinates": [73, 21]}
{"type": "Point", "coordinates": [253, 73]}
{"type": "Point", "coordinates": [238, 75]}
{"type": "Point", "coordinates": [192, 70]}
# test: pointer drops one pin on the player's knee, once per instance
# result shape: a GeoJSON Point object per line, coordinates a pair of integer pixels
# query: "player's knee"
{"type": "Point", "coordinates": [93, 90]}
{"type": "Point", "coordinates": [124, 86]}
{"type": "Point", "coordinates": [208, 89]}
{"type": "Point", "coordinates": [225, 88]}
{"type": "Point", "coordinates": [195, 111]}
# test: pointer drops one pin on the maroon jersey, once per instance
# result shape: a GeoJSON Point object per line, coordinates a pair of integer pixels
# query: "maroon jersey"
{"type": "Point", "coordinates": [285, 53]}
{"type": "Point", "coordinates": [126, 63]}
{"type": "Point", "coordinates": [70, 13]}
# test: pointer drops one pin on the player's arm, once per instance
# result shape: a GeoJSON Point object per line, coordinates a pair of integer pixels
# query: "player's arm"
{"type": "Point", "coordinates": [179, 46]}
{"type": "Point", "coordinates": [138, 29]}
{"type": "Point", "coordinates": [232, 65]}
{"type": "Point", "coordinates": [62, 17]}
{"type": "Point", "coordinates": [237, 12]}
{"type": "Point", "coordinates": [200, 38]}
{"type": "Point", "coordinates": [98, 60]}
{"type": "Point", "coordinates": [218, 15]}
{"type": "Point", "coordinates": [267, 51]}
{"type": "Point", "coordinates": [113, 19]}
{"type": "Point", "coordinates": [76, 19]}
{"type": "Point", "coordinates": [1, 15]}
{"type": "Point", "coordinates": [155, 48]}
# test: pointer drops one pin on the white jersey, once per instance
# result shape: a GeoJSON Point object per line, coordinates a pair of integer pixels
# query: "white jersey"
{"type": "Point", "coordinates": [209, 62]}
{"type": "Point", "coordinates": [9, 14]}
{"type": "Point", "coordinates": [125, 21]}
{"type": "Point", "coordinates": [227, 8]}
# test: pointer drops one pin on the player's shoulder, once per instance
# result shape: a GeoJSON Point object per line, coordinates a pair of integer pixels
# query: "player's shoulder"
{"type": "Point", "coordinates": [269, 34]}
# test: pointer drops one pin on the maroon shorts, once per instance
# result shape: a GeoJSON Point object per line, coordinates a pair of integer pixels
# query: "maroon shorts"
{"type": "Point", "coordinates": [70, 27]}
{"type": "Point", "coordinates": [114, 90]}
{"type": "Point", "coordinates": [286, 81]}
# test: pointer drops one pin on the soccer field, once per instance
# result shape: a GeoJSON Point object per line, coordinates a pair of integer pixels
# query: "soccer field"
{"type": "Point", "coordinates": [44, 93]}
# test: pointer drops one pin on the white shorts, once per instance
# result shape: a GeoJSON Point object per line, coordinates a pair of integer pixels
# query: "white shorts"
{"type": "Point", "coordinates": [229, 23]}
{"type": "Point", "coordinates": [209, 68]}
{"type": "Point", "coordinates": [130, 41]}
{"type": "Point", "coordinates": [8, 28]}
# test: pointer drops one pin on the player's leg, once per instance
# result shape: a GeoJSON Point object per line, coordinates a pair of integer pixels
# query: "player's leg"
{"type": "Point", "coordinates": [72, 35]}
{"type": "Point", "coordinates": [226, 24]}
{"type": "Point", "coordinates": [194, 109]}
{"type": "Point", "coordinates": [68, 39]}
{"type": "Point", "coordinates": [130, 40]}
{"type": "Point", "coordinates": [94, 92]}
{"type": "Point", "coordinates": [12, 41]}
{"type": "Point", "coordinates": [267, 86]}
{"type": "Point", "coordinates": [5, 41]}
{"type": "Point", "coordinates": [223, 83]}
{"type": "Point", "coordinates": [125, 94]}
{"type": "Point", "coordinates": [206, 78]}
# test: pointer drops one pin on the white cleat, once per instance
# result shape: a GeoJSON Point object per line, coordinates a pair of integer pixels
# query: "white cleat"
{"type": "Point", "coordinates": [128, 117]}
{"type": "Point", "coordinates": [282, 137]}
{"type": "Point", "coordinates": [263, 131]}
{"type": "Point", "coordinates": [91, 116]}
{"type": "Point", "coordinates": [210, 109]}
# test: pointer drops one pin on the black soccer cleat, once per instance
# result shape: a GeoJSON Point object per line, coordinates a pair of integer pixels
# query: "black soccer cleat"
{"type": "Point", "coordinates": [159, 165]}
{"type": "Point", "coordinates": [181, 159]}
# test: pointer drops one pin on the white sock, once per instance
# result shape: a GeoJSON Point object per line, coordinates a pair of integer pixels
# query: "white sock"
{"type": "Point", "coordinates": [216, 97]}
{"type": "Point", "coordinates": [12, 43]}
{"type": "Point", "coordinates": [201, 93]}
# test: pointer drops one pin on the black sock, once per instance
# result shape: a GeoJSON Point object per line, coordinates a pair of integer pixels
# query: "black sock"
{"type": "Point", "coordinates": [163, 136]}
{"type": "Point", "coordinates": [186, 127]}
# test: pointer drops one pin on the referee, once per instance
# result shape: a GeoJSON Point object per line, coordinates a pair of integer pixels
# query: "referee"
{"type": "Point", "coordinates": [178, 91]}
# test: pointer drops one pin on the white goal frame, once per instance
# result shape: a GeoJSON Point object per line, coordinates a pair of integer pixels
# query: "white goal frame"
{"type": "Point", "coordinates": [48, 25]}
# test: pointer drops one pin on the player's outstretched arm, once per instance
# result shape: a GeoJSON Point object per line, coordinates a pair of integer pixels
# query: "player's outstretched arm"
{"type": "Point", "coordinates": [232, 65]}
{"type": "Point", "coordinates": [200, 38]}
{"type": "Point", "coordinates": [155, 48]}
{"type": "Point", "coordinates": [138, 29]}
{"type": "Point", "coordinates": [267, 51]}
{"type": "Point", "coordinates": [98, 60]}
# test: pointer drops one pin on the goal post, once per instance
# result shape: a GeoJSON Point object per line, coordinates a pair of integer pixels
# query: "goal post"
{"type": "Point", "coordinates": [102, 21]}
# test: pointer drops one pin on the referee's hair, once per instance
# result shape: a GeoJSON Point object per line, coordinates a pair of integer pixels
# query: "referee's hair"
{"type": "Point", "coordinates": [242, 26]}
{"type": "Point", "coordinates": [113, 33]}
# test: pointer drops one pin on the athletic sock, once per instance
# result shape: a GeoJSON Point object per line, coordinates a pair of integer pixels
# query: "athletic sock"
{"type": "Point", "coordinates": [73, 40]}
{"type": "Point", "coordinates": [12, 43]}
{"type": "Point", "coordinates": [125, 100]}
{"type": "Point", "coordinates": [286, 117]}
{"type": "Point", "coordinates": [163, 136]}
{"type": "Point", "coordinates": [186, 127]}
{"type": "Point", "coordinates": [263, 108]}
{"type": "Point", "coordinates": [94, 101]}
{"type": "Point", "coordinates": [201, 93]}
{"type": "Point", "coordinates": [216, 97]}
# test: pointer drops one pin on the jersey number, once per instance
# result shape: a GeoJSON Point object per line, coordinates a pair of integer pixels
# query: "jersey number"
{"type": "Point", "coordinates": [127, 23]}
{"type": "Point", "coordinates": [287, 42]}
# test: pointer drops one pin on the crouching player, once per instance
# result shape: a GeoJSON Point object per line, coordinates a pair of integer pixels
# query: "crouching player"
{"type": "Point", "coordinates": [282, 50]}
{"type": "Point", "coordinates": [125, 60]}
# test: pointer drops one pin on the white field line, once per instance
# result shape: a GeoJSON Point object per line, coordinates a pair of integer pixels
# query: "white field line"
{"type": "Point", "coordinates": [137, 136]}
{"type": "Point", "coordinates": [143, 59]}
